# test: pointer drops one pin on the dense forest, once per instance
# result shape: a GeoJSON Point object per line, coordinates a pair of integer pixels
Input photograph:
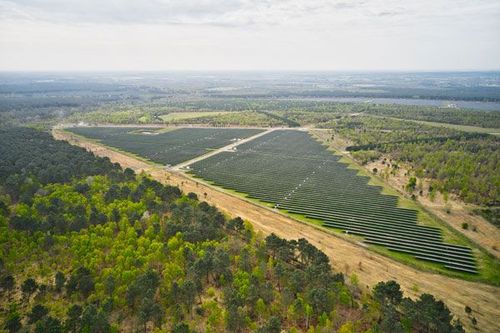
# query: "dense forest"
{"type": "Point", "coordinates": [101, 249]}
{"type": "Point", "coordinates": [461, 163]}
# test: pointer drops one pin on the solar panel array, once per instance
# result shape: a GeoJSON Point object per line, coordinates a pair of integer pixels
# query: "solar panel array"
{"type": "Point", "coordinates": [296, 173]}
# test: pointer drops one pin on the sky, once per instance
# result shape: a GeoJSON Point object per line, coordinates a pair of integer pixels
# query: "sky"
{"type": "Point", "coordinates": [299, 35]}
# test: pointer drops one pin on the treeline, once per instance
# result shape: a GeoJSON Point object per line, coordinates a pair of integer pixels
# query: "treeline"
{"type": "Point", "coordinates": [115, 251]}
{"type": "Point", "coordinates": [487, 119]}
{"type": "Point", "coordinates": [437, 139]}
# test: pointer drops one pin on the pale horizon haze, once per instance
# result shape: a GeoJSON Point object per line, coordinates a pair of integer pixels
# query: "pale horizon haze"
{"type": "Point", "coordinates": [296, 35]}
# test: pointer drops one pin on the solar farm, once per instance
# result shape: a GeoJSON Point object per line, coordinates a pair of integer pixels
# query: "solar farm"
{"type": "Point", "coordinates": [170, 147]}
{"type": "Point", "coordinates": [295, 173]}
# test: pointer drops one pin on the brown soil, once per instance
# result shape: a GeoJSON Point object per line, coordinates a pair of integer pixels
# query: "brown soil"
{"type": "Point", "coordinates": [345, 255]}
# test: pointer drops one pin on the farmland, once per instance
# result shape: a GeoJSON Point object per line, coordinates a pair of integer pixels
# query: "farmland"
{"type": "Point", "coordinates": [164, 147]}
{"type": "Point", "coordinates": [295, 173]}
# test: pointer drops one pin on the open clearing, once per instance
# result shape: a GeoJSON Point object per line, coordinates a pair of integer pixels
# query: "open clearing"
{"type": "Point", "coordinates": [346, 256]}
{"type": "Point", "coordinates": [178, 116]}
{"type": "Point", "coordinates": [463, 128]}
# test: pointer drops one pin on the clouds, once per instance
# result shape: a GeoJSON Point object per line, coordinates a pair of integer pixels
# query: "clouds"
{"type": "Point", "coordinates": [235, 13]}
{"type": "Point", "coordinates": [249, 34]}
{"type": "Point", "coordinates": [198, 12]}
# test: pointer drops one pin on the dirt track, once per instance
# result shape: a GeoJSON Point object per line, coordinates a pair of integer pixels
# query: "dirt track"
{"type": "Point", "coordinates": [345, 256]}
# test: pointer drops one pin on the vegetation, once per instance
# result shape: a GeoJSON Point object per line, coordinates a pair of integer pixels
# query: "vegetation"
{"type": "Point", "coordinates": [108, 251]}
{"type": "Point", "coordinates": [489, 119]}
{"type": "Point", "coordinates": [456, 162]}
{"type": "Point", "coordinates": [491, 214]}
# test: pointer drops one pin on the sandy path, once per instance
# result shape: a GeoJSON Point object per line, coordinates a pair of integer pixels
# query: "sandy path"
{"type": "Point", "coordinates": [345, 255]}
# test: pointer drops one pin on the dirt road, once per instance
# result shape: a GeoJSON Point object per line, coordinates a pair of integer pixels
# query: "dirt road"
{"type": "Point", "coordinates": [345, 256]}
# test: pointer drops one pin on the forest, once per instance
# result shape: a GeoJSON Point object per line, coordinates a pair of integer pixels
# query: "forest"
{"type": "Point", "coordinates": [101, 249]}
{"type": "Point", "coordinates": [460, 163]}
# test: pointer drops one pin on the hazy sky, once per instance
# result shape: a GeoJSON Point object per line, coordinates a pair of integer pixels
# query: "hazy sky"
{"type": "Point", "coordinates": [249, 34]}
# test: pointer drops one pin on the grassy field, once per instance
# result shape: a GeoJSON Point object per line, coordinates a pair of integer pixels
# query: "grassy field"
{"type": "Point", "coordinates": [179, 116]}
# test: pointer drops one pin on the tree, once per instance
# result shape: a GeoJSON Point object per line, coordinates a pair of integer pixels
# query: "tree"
{"type": "Point", "coordinates": [412, 183]}
{"type": "Point", "coordinates": [429, 315]}
{"type": "Point", "coordinates": [272, 326]}
{"type": "Point", "coordinates": [13, 322]}
{"type": "Point", "coordinates": [37, 312]}
{"type": "Point", "coordinates": [390, 320]}
{"type": "Point", "coordinates": [59, 281]}
{"type": "Point", "coordinates": [94, 320]}
{"type": "Point", "coordinates": [388, 292]}
{"type": "Point", "coordinates": [181, 328]}
{"type": "Point", "coordinates": [149, 310]}
{"type": "Point", "coordinates": [260, 308]}
{"type": "Point", "coordinates": [109, 285]}
{"type": "Point", "coordinates": [348, 327]}
{"type": "Point", "coordinates": [236, 224]}
{"type": "Point", "coordinates": [319, 300]}
{"type": "Point", "coordinates": [235, 318]}
{"type": "Point", "coordinates": [188, 295]}
{"type": "Point", "coordinates": [81, 281]}
{"type": "Point", "coordinates": [28, 287]}
{"type": "Point", "coordinates": [49, 325]}
{"type": "Point", "coordinates": [7, 283]}
{"type": "Point", "coordinates": [146, 283]}
{"type": "Point", "coordinates": [74, 314]}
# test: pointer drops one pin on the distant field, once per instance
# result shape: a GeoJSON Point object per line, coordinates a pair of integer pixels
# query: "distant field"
{"type": "Point", "coordinates": [175, 116]}
{"type": "Point", "coordinates": [170, 147]}
{"type": "Point", "coordinates": [464, 128]}
{"type": "Point", "coordinates": [296, 174]}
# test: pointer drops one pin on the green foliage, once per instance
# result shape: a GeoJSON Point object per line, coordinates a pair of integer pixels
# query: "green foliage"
{"type": "Point", "coordinates": [461, 163]}
{"type": "Point", "coordinates": [148, 258]}
{"type": "Point", "coordinates": [13, 322]}
{"type": "Point", "coordinates": [388, 292]}
{"type": "Point", "coordinates": [32, 158]}
{"type": "Point", "coordinates": [37, 313]}
{"type": "Point", "coordinates": [28, 287]}
{"type": "Point", "coordinates": [81, 281]}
